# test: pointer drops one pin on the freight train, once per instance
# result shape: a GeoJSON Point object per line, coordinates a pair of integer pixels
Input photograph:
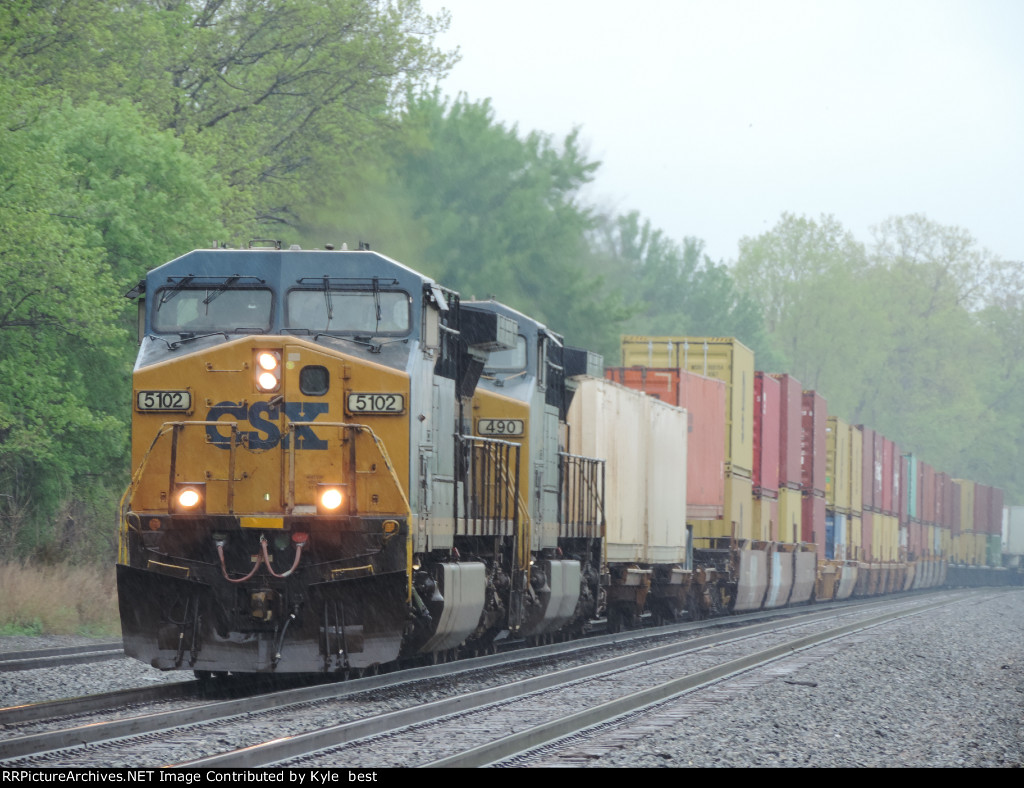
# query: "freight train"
{"type": "Point", "coordinates": [339, 465]}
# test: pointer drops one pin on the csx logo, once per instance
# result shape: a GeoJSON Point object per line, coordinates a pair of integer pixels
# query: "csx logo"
{"type": "Point", "coordinates": [263, 417]}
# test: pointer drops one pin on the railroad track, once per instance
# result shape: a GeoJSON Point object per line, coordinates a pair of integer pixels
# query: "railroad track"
{"type": "Point", "coordinates": [54, 657]}
{"type": "Point", "coordinates": [249, 732]}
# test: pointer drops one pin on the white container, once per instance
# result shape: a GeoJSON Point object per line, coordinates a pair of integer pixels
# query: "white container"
{"type": "Point", "coordinates": [643, 441]}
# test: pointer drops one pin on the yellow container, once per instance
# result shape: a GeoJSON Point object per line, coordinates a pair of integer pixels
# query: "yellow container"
{"type": "Point", "coordinates": [837, 465]}
{"type": "Point", "coordinates": [791, 515]}
{"type": "Point", "coordinates": [856, 470]}
{"type": "Point", "coordinates": [854, 536]}
{"type": "Point", "coordinates": [966, 505]}
{"type": "Point", "coordinates": [739, 506]}
{"type": "Point", "coordinates": [723, 358]}
{"type": "Point", "coordinates": [766, 518]}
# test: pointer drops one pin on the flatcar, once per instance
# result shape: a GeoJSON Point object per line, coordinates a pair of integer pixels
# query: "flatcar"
{"type": "Point", "coordinates": [338, 465]}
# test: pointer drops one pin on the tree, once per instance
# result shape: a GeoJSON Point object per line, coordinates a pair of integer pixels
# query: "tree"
{"type": "Point", "coordinates": [268, 89]}
{"type": "Point", "coordinates": [503, 215]}
{"type": "Point", "coordinates": [89, 198]}
{"type": "Point", "coordinates": [672, 289]}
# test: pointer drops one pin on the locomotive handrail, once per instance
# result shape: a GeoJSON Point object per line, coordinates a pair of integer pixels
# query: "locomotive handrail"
{"type": "Point", "coordinates": [292, 425]}
{"type": "Point", "coordinates": [129, 493]}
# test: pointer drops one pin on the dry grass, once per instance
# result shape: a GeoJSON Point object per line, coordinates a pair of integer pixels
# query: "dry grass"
{"type": "Point", "coordinates": [58, 600]}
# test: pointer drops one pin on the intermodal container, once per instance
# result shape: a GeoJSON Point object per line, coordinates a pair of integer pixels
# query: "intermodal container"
{"type": "Point", "coordinates": [813, 442]}
{"type": "Point", "coordinates": [790, 515]}
{"type": "Point", "coordinates": [903, 484]}
{"type": "Point", "coordinates": [837, 465]}
{"type": "Point", "coordinates": [913, 487]}
{"type": "Point", "coordinates": [813, 525]}
{"type": "Point", "coordinates": [877, 473]}
{"type": "Point", "coordinates": [704, 401]}
{"type": "Point", "coordinates": [856, 470]}
{"type": "Point", "coordinates": [646, 488]}
{"type": "Point", "coordinates": [966, 505]}
{"type": "Point", "coordinates": [767, 415]}
{"type": "Point", "coordinates": [953, 520]}
{"type": "Point", "coordinates": [661, 384]}
{"type": "Point", "coordinates": [887, 489]}
{"type": "Point", "coordinates": [928, 494]}
{"type": "Point", "coordinates": [790, 430]}
{"type": "Point", "coordinates": [724, 358]}
{"type": "Point", "coordinates": [854, 530]}
{"type": "Point", "coordinates": [867, 467]}
{"type": "Point", "coordinates": [1013, 531]}
{"type": "Point", "coordinates": [867, 534]}
{"type": "Point", "coordinates": [766, 518]}
{"type": "Point", "coordinates": [835, 535]}
{"type": "Point", "coordinates": [981, 504]}
{"type": "Point", "coordinates": [997, 510]}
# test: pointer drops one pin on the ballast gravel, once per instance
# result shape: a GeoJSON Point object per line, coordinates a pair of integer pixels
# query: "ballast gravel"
{"type": "Point", "coordinates": [941, 689]}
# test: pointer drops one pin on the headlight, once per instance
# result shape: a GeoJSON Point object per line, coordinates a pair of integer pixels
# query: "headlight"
{"type": "Point", "coordinates": [268, 370]}
{"type": "Point", "coordinates": [189, 497]}
{"type": "Point", "coordinates": [329, 498]}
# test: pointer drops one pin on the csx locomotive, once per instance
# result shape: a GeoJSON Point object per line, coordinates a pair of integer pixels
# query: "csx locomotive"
{"type": "Point", "coordinates": [339, 465]}
{"type": "Point", "coordinates": [335, 467]}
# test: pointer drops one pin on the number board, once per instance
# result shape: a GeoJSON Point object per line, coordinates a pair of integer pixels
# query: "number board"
{"type": "Point", "coordinates": [510, 428]}
{"type": "Point", "coordinates": [164, 400]}
{"type": "Point", "coordinates": [376, 403]}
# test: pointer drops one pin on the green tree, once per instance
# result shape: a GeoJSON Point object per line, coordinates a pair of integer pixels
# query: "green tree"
{"type": "Point", "coordinates": [270, 90]}
{"type": "Point", "coordinates": [90, 197]}
{"type": "Point", "coordinates": [504, 215]}
{"type": "Point", "coordinates": [672, 289]}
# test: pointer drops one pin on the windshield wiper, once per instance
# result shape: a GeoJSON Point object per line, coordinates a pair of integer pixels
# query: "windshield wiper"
{"type": "Point", "coordinates": [169, 294]}
{"type": "Point", "coordinates": [226, 284]}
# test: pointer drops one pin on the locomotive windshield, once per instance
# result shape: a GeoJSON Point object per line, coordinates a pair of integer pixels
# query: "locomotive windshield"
{"type": "Point", "coordinates": [211, 309]}
{"type": "Point", "coordinates": [349, 311]}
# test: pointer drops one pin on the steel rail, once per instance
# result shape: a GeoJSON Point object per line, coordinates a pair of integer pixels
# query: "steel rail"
{"type": "Point", "coordinates": [296, 746]}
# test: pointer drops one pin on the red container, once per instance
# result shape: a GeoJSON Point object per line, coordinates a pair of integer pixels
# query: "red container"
{"type": "Point", "coordinates": [814, 442]}
{"type": "Point", "coordinates": [867, 533]}
{"type": "Point", "coordinates": [704, 400]}
{"type": "Point", "coordinates": [767, 423]}
{"type": "Point", "coordinates": [915, 540]}
{"type": "Point", "coordinates": [812, 528]}
{"type": "Point", "coordinates": [867, 468]}
{"type": "Point", "coordinates": [928, 493]}
{"type": "Point", "coordinates": [661, 384]}
{"type": "Point", "coordinates": [952, 502]}
{"type": "Point", "coordinates": [789, 431]}
{"type": "Point", "coordinates": [903, 484]}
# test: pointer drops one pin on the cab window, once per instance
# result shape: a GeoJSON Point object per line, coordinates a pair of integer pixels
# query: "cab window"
{"type": "Point", "coordinates": [349, 312]}
{"type": "Point", "coordinates": [513, 360]}
{"type": "Point", "coordinates": [213, 309]}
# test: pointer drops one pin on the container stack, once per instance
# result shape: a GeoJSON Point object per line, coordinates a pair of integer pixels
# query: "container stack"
{"type": "Point", "coordinates": [767, 416]}
{"type": "Point", "coordinates": [729, 360]}
{"type": "Point", "coordinates": [814, 420]}
{"type": "Point", "coordinates": [838, 486]}
{"type": "Point", "coordinates": [790, 482]}
{"type": "Point", "coordinates": [704, 401]}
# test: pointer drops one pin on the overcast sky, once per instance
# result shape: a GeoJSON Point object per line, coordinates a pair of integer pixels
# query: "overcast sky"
{"type": "Point", "coordinates": [712, 118]}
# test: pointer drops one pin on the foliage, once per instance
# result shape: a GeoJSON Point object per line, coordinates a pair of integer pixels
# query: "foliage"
{"type": "Point", "coordinates": [916, 336]}
{"type": "Point", "coordinates": [266, 89]}
{"type": "Point", "coordinates": [503, 214]}
{"type": "Point", "coordinates": [88, 196]}
{"type": "Point", "coordinates": [673, 289]}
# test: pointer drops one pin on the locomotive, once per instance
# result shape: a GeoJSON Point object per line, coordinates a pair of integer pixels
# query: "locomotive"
{"type": "Point", "coordinates": [339, 465]}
